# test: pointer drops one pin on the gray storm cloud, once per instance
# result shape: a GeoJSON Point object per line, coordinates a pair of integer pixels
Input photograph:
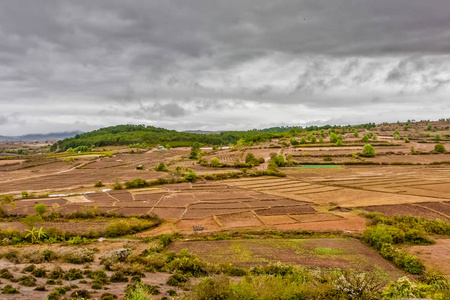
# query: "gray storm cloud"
{"type": "Point", "coordinates": [67, 65]}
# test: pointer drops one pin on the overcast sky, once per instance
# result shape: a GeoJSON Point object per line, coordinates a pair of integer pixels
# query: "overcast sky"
{"type": "Point", "coordinates": [221, 65]}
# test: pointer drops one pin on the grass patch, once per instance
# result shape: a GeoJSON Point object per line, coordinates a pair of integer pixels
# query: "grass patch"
{"type": "Point", "coordinates": [328, 251]}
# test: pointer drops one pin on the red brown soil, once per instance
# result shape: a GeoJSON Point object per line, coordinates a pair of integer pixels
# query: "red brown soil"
{"type": "Point", "coordinates": [172, 213]}
{"type": "Point", "coordinates": [350, 223]}
{"type": "Point", "coordinates": [202, 213]}
{"type": "Point", "coordinates": [121, 196]}
{"type": "Point", "coordinates": [231, 205]}
{"type": "Point", "coordinates": [276, 220]}
{"type": "Point", "coordinates": [406, 210]}
{"type": "Point", "coordinates": [244, 219]}
{"type": "Point", "coordinates": [304, 209]}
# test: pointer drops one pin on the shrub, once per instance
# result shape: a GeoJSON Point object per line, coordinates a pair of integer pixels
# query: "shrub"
{"type": "Point", "coordinates": [280, 160]}
{"type": "Point", "coordinates": [114, 256]}
{"type": "Point", "coordinates": [96, 286]}
{"type": "Point", "coordinates": [212, 288]}
{"type": "Point", "coordinates": [76, 240]}
{"type": "Point", "coordinates": [78, 255]}
{"type": "Point", "coordinates": [406, 140]}
{"type": "Point", "coordinates": [215, 162]}
{"type": "Point", "coordinates": [41, 272]}
{"type": "Point", "coordinates": [108, 296]}
{"type": "Point", "coordinates": [188, 264]}
{"type": "Point", "coordinates": [40, 209]}
{"type": "Point", "coordinates": [118, 277]}
{"type": "Point", "coordinates": [99, 277]}
{"type": "Point", "coordinates": [140, 291]}
{"type": "Point", "coordinates": [27, 281]}
{"type": "Point", "coordinates": [333, 137]}
{"type": "Point", "coordinates": [5, 199]}
{"type": "Point", "coordinates": [294, 142]}
{"type": "Point", "coordinates": [404, 288]}
{"type": "Point", "coordinates": [402, 260]}
{"type": "Point", "coordinates": [177, 278]}
{"type": "Point", "coordinates": [117, 186]}
{"type": "Point", "coordinates": [5, 274]}
{"type": "Point", "coordinates": [83, 294]}
{"type": "Point", "coordinates": [29, 268]}
{"type": "Point", "coordinates": [9, 289]}
{"type": "Point", "coordinates": [161, 167]}
{"type": "Point", "coordinates": [73, 274]}
{"type": "Point", "coordinates": [136, 184]}
{"type": "Point", "coordinates": [118, 228]}
{"type": "Point", "coordinates": [368, 151]}
{"type": "Point", "coordinates": [365, 139]}
{"type": "Point", "coordinates": [272, 269]}
{"type": "Point", "coordinates": [99, 184]}
{"type": "Point", "coordinates": [191, 176]}
{"type": "Point", "coordinates": [358, 285]}
{"type": "Point", "coordinates": [439, 148]}
{"type": "Point", "coordinates": [57, 273]}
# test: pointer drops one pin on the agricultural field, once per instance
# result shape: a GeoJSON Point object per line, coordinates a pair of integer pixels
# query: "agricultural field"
{"type": "Point", "coordinates": [325, 253]}
{"type": "Point", "coordinates": [313, 206]}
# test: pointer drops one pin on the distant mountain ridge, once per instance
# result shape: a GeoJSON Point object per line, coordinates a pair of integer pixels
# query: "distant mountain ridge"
{"type": "Point", "coordinates": [203, 131]}
{"type": "Point", "coordinates": [40, 137]}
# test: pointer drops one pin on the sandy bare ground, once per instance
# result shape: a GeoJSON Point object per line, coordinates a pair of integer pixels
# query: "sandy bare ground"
{"type": "Point", "coordinates": [435, 257]}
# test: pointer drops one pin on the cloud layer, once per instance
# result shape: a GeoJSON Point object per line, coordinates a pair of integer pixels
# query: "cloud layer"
{"type": "Point", "coordinates": [215, 65]}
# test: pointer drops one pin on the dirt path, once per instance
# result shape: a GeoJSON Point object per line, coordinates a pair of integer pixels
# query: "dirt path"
{"type": "Point", "coordinates": [265, 165]}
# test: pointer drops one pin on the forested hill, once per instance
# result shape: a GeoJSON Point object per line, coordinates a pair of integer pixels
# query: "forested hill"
{"type": "Point", "coordinates": [151, 136]}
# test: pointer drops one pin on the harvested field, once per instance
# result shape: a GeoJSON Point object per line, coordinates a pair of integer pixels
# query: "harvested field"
{"type": "Point", "coordinates": [121, 195]}
{"type": "Point", "coordinates": [406, 210]}
{"type": "Point", "coordinates": [303, 209]}
{"type": "Point", "coordinates": [172, 213]}
{"type": "Point", "coordinates": [231, 205]}
{"type": "Point", "coordinates": [100, 197]}
{"type": "Point", "coordinates": [278, 219]}
{"type": "Point", "coordinates": [348, 222]}
{"type": "Point", "coordinates": [244, 219]}
{"type": "Point", "coordinates": [150, 197]}
{"type": "Point", "coordinates": [77, 199]}
{"type": "Point", "coordinates": [203, 213]}
{"type": "Point", "coordinates": [177, 200]}
{"type": "Point", "coordinates": [46, 201]}
{"type": "Point", "coordinates": [306, 218]}
{"type": "Point", "coordinates": [265, 203]}
{"type": "Point", "coordinates": [443, 208]}
{"type": "Point", "coordinates": [209, 224]}
{"type": "Point", "coordinates": [137, 204]}
{"type": "Point", "coordinates": [133, 211]}
{"type": "Point", "coordinates": [354, 197]}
